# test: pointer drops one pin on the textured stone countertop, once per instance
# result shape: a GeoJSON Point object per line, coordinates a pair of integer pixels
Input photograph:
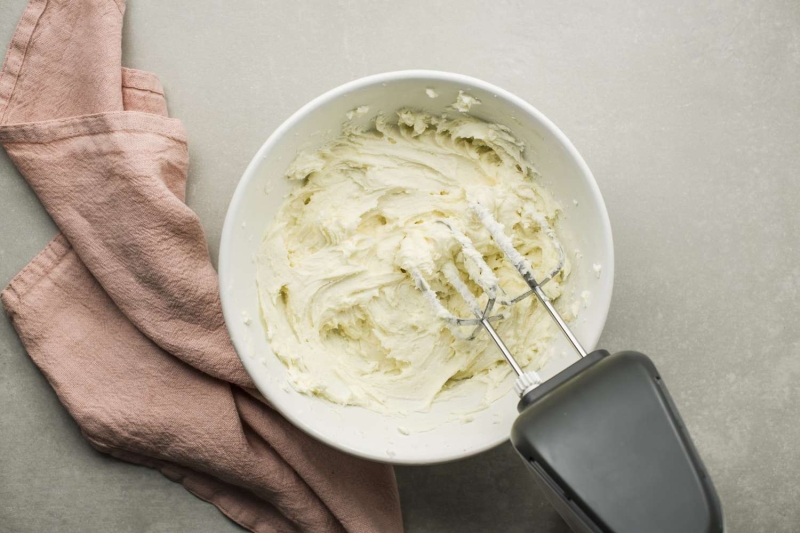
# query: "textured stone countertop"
{"type": "Point", "coordinates": [687, 112]}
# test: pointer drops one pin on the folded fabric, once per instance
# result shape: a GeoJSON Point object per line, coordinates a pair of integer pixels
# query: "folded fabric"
{"type": "Point", "coordinates": [121, 310]}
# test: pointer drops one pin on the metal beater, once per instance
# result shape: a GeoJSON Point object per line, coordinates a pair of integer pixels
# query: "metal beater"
{"type": "Point", "coordinates": [490, 285]}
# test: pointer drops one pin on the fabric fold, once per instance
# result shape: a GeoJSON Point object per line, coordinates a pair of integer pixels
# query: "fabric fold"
{"type": "Point", "coordinates": [121, 310]}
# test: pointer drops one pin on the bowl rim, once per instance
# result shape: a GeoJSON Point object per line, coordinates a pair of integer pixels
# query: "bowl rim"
{"type": "Point", "coordinates": [229, 310]}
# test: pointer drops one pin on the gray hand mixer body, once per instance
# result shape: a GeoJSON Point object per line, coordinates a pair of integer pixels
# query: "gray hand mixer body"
{"type": "Point", "coordinates": [603, 438]}
{"type": "Point", "coordinates": [606, 444]}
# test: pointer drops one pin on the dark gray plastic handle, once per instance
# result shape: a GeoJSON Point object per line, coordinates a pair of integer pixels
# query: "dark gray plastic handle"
{"type": "Point", "coordinates": [605, 439]}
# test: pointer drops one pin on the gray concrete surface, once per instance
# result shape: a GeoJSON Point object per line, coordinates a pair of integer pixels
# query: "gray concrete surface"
{"type": "Point", "coordinates": [687, 112]}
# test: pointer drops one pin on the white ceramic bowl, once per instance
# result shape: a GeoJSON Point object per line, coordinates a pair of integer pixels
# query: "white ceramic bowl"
{"type": "Point", "coordinates": [584, 226]}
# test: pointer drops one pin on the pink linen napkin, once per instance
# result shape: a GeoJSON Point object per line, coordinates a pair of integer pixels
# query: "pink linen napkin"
{"type": "Point", "coordinates": [121, 311]}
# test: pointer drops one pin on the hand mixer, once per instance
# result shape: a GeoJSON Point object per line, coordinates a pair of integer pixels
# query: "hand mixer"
{"type": "Point", "coordinates": [603, 437]}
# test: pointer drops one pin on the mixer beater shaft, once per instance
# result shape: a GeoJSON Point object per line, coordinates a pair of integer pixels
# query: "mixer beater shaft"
{"type": "Point", "coordinates": [487, 280]}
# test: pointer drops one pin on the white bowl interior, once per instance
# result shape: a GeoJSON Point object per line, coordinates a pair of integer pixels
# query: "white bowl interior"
{"type": "Point", "coordinates": [261, 190]}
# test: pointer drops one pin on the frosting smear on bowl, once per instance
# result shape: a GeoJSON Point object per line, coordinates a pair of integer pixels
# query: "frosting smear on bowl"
{"type": "Point", "coordinates": [340, 307]}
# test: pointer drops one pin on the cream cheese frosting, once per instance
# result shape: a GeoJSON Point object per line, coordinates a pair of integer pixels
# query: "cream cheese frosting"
{"type": "Point", "coordinates": [339, 304]}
